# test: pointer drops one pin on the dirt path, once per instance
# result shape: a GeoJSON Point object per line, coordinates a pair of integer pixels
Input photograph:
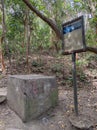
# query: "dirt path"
{"type": "Point", "coordinates": [56, 119]}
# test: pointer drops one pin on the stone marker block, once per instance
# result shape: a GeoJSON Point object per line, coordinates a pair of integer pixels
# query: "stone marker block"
{"type": "Point", "coordinates": [31, 95]}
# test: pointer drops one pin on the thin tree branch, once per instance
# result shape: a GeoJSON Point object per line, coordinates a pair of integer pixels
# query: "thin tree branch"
{"type": "Point", "coordinates": [91, 49]}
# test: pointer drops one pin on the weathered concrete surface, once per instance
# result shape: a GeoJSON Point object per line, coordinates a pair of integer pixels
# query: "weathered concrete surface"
{"type": "Point", "coordinates": [31, 95]}
{"type": "Point", "coordinates": [3, 94]}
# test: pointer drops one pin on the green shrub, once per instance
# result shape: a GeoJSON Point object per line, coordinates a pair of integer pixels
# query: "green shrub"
{"type": "Point", "coordinates": [57, 67]}
{"type": "Point", "coordinates": [38, 63]}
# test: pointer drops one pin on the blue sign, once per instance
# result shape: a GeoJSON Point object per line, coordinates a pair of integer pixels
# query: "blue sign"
{"type": "Point", "coordinates": [73, 35]}
{"type": "Point", "coordinates": [70, 28]}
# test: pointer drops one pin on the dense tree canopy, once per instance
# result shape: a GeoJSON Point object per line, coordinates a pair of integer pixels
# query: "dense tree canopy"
{"type": "Point", "coordinates": [77, 7]}
{"type": "Point", "coordinates": [30, 25]}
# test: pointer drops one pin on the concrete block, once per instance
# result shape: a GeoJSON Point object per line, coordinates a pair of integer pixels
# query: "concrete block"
{"type": "Point", "coordinates": [31, 95]}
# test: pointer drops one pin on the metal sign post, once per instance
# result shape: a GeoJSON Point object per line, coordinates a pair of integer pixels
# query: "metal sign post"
{"type": "Point", "coordinates": [74, 82]}
{"type": "Point", "coordinates": [74, 42]}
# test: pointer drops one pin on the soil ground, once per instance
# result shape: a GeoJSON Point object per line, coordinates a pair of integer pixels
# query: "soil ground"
{"type": "Point", "coordinates": [56, 118]}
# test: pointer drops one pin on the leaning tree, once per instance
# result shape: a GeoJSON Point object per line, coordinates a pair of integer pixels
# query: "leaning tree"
{"type": "Point", "coordinates": [52, 24]}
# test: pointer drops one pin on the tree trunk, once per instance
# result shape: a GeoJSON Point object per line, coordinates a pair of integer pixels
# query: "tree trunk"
{"type": "Point", "coordinates": [3, 36]}
{"type": "Point", "coordinates": [27, 35]}
{"type": "Point", "coordinates": [1, 56]}
{"type": "Point", "coordinates": [53, 25]}
{"type": "Point", "coordinates": [44, 18]}
{"type": "Point", "coordinates": [54, 41]}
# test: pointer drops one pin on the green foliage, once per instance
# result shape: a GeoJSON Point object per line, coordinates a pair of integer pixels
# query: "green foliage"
{"type": "Point", "coordinates": [35, 63]}
{"type": "Point", "coordinates": [81, 75]}
{"type": "Point", "coordinates": [38, 63]}
{"type": "Point", "coordinates": [81, 62]}
{"type": "Point", "coordinates": [79, 67]}
{"type": "Point", "coordinates": [94, 20]}
{"type": "Point", "coordinates": [69, 79]}
{"type": "Point", "coordinates": [91, 57]}
{"type": "Point", "coordinates": [91, 37]}
{"type": "Point", "coordinates": [57, 67]}
{"type": "Point", "coordinates": [41, 36]}
{"type": "Point", "coordinates": [0, 18]}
